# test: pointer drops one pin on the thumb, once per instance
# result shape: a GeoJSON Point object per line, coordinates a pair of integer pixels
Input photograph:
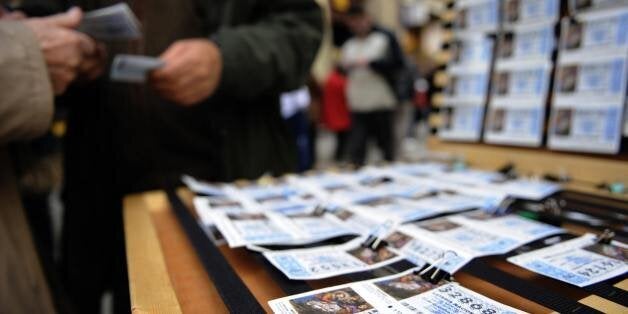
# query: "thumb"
{"type": "Point", "coordinates": [70, 19]}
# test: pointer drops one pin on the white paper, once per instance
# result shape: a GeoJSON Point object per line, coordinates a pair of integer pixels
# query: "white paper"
{"type": "Point", "coordinates": [400, 293]}
{"type": "Point", "coordinates": [270, 228]}
{"type": "Point", "coordinates": [116, 22]}
{"type": "Point", "coordinates": [580, 262]}
{"type": "Point", "coordinates": [329, 261]}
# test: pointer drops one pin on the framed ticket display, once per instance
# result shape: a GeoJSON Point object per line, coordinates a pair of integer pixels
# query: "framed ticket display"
{"type": "Point", "coordinates": [590, 84]}
{"type": "Point", "coordinates": [462, 121]}
{"type": "Point", "coordinates": [586, 127]}
{"type": "Point", "coordinates": [525, 11]}
{"type": "Point", "coordinates": [576, 6]}
{"type": "Point", "coordinates": [599, 31]}
{"type": "Point", "coordinates": [522, 73]}
{"type": "Point", "coordinates": [466, 92]}
{"type": "Point", "coordinates": [477, 15]}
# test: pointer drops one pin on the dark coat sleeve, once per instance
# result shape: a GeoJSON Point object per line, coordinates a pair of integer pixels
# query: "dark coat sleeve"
{"type": "Point", "coordinates": [394, 59]}
{"type": "Point", "coordinates": [272, 54]}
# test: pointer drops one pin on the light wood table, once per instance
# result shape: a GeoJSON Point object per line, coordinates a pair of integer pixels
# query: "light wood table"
{"type": "Point", "coordinates": [166, 276]}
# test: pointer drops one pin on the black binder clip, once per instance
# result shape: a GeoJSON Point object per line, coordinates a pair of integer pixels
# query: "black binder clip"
{"type": "Point", "coordinates": [320, 210]}
{"type": "Point", "coordinates": [504, 206]}
{"type": "Point", "coordinates": [434, 273]}
{"type": "Point", "coordinates": [606, 237]}
{"type": "Point", "coordinates": [374, 242]}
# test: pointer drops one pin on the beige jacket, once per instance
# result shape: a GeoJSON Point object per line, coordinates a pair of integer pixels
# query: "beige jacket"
{"type": "Point", "coordinates": [25, 91]}
{"type": "Point", "coordinates": [25, 112]}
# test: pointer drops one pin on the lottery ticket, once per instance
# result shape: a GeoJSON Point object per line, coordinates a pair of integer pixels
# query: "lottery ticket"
{"type": "Point", "coordinates": [581, 261]}
{"type": "Point", "coordinates": [201, 187]}
{"type": "Point", "coordinates": [271, 228]}
{"type": "Point", "coordinates": [522, 229]}
{"type": "Point", "coordinates": [419, 169]}
{"type": "Point", "coordinates": [329, 261]}
{"type": "Point", "coordinates": [405, 209]}
{"type": "Point", "coordinates": [461, 236]}
{"type": "Point", "coordinates": [535, 190]}
{"type": "Point", "coordinates": [405, 292]}
{"type": "Point", "coordinates": [425, 250]}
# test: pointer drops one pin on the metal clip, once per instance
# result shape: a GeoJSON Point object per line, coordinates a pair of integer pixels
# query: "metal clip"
{"type": "Point", "coordinates": [606, 237]}
{"type": "Point", "coordinates": [436, 265]}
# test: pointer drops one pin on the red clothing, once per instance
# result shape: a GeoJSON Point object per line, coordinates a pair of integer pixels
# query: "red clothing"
{"type": "Point", "coordinates": [335, 112]}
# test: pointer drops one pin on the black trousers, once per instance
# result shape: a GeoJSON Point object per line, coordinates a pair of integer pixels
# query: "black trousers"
{"type": "Point", "coordinates": [376, 125]}
{"type": "Point", "coordinates": [340, 153]}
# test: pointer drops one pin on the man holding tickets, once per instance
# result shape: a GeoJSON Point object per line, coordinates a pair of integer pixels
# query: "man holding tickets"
{"type": "Point", "coordinates": [211, 110]}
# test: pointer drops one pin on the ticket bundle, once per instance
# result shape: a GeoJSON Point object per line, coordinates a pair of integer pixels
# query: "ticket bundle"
{"type": "Point", "coordinates": [406, 292]}
{"type": "Point", "coordinates": [582, 261]}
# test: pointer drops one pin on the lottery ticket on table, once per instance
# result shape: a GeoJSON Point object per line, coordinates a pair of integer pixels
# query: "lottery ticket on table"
{"type": "Point", "coordinates": [283, 197]}
{"type": "Point", "coordinates": [404, 209]}
{"type": "Point", "coordinates": [270, 228]}
{"type": "Point", "coordinates": [521, 229]}
{"type": "Point", "coordinates": [424, 250]}
{"type": "Point", "coordinates": [419, 169]}
{"type": "Point", "coordinates": [322, 184]}
{"type": "Point", "coordinates": [581, 261]}
{"type": "Point", "coordinates": [535, 190]}
{"type": "Point", "coordinates": [355, 220]}
{"type": "Point", "coordinates": [472, 240]}
{"type": "Point", "coordinates": [200, 187]}
{"type": "Point", "coordinates": [329, 261]}
{"type": "Point", "coordinates": [401, 293]}
{"type": "Point", "coordinates": [472, 177]}
{"type": "Point", "coordinates": [204, 205]}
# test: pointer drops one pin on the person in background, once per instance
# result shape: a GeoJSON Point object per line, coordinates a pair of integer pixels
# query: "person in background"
{"type": "Point", "coordinates": [335, 111]}
{"type": "Point", "coordinates": [294, 109]}
{"type": "Point", "coordinates": [39, 57]}
{"type": "Point", "coordinates": [368, 60]}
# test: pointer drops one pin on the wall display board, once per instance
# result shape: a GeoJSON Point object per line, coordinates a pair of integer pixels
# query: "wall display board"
{"type": "Point", "coordinates": [469, 71]}
{"type": "Point", "coordinates": [522, 73]}
{"type": "Point", "coordinates": [590, 84]}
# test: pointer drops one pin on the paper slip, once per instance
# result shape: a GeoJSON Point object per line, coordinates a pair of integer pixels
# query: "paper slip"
{"type": "Point", "coordinates": [472, 177]}
{"type": "Point", "coordinates": [329, 261]}
{"type": "Point", "coordinates": [424, 250]}
{"type": "Point", "coordinates": [527, 189]}
{"type": "Point", "coordinates": [322, 185]}
{"type": "Point", "coordinates": [203, 188]}
{"type": "Point", "coordinates": [401, 293]}
{"type": "Point", "coordinates": [283, 197]}
{"type": "Point", "coordinates": [270, 228]}
{"type": "Point", "coordinates": [522, 229]}
{"type": "Point", "coordinates": [419, 170]}
{"type": "Point", "coordinates": [462, 238]}
{"type": "Point", "coordinates": [206, 204]}
{"type": "Point", "coordinates": [116, 22]}
{"type": "Point", "coordinates": [580, 262]}
{"type": "Point", "coordinates": [355, 220]}
{"type": "Point", "coordinates": [404, 210]}
{"type": "Point", "coordinates": [133, 69]}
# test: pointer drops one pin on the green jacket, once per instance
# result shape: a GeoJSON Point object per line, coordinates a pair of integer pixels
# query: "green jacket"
{"type": "Point", "coordinates": [141, 142]}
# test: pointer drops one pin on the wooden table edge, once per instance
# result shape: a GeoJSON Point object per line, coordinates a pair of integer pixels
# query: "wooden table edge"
{"type": "Point", "coordinates": [150, 287]}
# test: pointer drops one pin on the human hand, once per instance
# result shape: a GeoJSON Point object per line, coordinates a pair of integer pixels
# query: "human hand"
{"type": "Point", "coordinates": [65, 50]}
{"type": "Point", "coordinates": [192, 71]}
{"type": "Point", "coordinates": [11, 15]}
